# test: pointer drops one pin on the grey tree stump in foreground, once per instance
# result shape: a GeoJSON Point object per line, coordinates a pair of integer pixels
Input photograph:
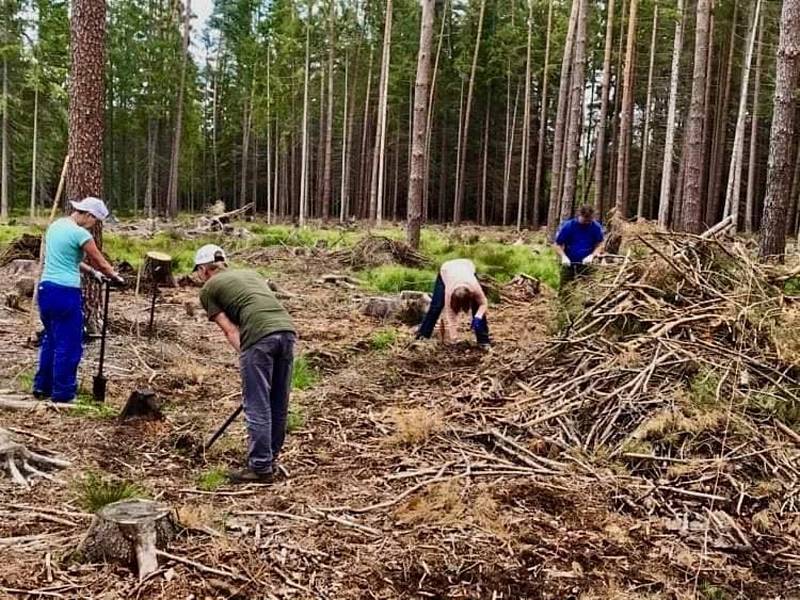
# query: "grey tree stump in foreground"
{"type": "Point", "coordinates": [129, 532]}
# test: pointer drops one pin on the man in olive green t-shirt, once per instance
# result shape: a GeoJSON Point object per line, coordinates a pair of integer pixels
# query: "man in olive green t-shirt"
{"type": "Point", "coordinates": [260, 329]}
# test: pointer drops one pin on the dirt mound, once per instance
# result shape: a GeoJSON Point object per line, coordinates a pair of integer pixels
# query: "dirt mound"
{"type": "Point", "coordinates": [25, 247]}
{"type": "Point", "coordinates": [374, 251]}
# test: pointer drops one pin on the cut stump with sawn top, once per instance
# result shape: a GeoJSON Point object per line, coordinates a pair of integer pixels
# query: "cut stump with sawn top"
{"type": "Point", "coordinates": [157, 270]}
{"type": "Point", "coordinates": [129, 532]}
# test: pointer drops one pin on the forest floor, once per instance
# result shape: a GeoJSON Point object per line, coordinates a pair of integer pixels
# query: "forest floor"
{"type": "Point", "coordinates": [408, 474]}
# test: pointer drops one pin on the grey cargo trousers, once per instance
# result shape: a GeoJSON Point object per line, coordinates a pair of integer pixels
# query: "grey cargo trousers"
{"type": "Point", "coordinates": [266, 369]}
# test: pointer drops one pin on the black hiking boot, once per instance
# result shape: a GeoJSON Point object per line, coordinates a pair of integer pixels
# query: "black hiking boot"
{"type": "Point", "coordinates": [249, 476]}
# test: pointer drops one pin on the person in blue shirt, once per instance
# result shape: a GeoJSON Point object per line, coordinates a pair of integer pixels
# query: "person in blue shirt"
{"type": "Point", "coordinates": [578, 243]}
{"type": "Point", "coordinates": [67, 243]}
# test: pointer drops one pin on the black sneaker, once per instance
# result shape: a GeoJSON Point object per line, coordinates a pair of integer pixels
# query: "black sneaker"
{"type": "Point", "coordinates": [40, 395]}
{"type": "Point", "coordinates": [250, 476]}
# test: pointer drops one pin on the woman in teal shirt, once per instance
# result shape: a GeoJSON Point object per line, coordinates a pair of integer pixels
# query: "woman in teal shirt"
{"type": "Point", "coordinates": [67, 243]}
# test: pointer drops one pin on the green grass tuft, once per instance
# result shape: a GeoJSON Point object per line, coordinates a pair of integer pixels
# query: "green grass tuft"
{"type": "Point", "coordinates": [703, 388]}
{"type": "Point", "coordinates": [383, 338]}
{"type": "Point", "coordinates": [25, 380]}
{"type": "Point", "coordinates": [212, 479]}
{"type": "Point", "coordinates": [96, 491]}
{"type": "Point", "coordinates": [85, 406]}
{"type": "Point", "coordinates": [394, 278]}
{"type": "Point", "coordinates": [792, 287]}
{"type": "Point", "coordinates": [304, 376]}
{"type": "Point", "coordinates": [296, 419]}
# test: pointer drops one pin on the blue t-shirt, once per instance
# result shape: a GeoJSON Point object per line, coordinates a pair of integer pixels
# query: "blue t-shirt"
{"type": "Point", "coordinates": [579, 241]}
{"type": "Point", "coordinates": [63, 249]}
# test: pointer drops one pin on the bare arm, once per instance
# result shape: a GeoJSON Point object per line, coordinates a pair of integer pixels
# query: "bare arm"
{"type": "Point", "coordinates": [230, 330]}
{"type": "Point", "coordinates": [96, 260]}
{"type": "Point", "coordinates": [483, 303]}
{"type": "Point", "coordinates": [560, 250]}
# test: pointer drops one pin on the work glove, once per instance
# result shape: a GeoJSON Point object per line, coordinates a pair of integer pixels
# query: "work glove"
{"type": "Point", "coordinates": [587, 260]}
{"type": "Point", "coordinates": [477, 322]}
{"type": "Point", "coordinates": [566, 261]}
{"type": "Point", "coordinates": [116, 280]}
{"type": "Point", "coordinates": [97, 276]}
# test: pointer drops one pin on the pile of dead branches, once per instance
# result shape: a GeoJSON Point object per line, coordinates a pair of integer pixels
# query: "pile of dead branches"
{"type": "Point", "coordinates": [376, 250]}
{"type": "Point", "coordinates": [669, 378]}
{"type": "Point", "coordinates": [25, 247]}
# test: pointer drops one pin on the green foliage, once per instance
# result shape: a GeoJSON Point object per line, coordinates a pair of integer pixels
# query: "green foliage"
{"type": "Point", "coordinates": [304, 376]}
{"type": "Point", "coordinates": [24, 380]}
{"type": "Point", "coordinates": [212, 479]}
{"type": "Point", "coordinates": [85, 406]}
{"type": "Point", "coordinates": [779, 407]}
{"type": "Point", "coordinates": [703, 388]}
{"type": "Point", "coordinates": [133, 249]}
{"type": "Point", "coordinates": [97, 490]}
{"type": "Point", "coordinates": [792, 287]}
{"type": "Point", "coordinates": [394, 278]}
{"type": "Point", "coordinates": [296, 418]}
{"type": "Point", "coordinates": [383, 338]}
{"type": "Point", "coordinates": [281, 235]}
{"type": "Point", "coordinates": [9, 233]}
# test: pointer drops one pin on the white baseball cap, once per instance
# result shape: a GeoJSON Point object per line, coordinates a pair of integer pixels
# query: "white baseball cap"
{"type": "Point", "coordinates": [208, 254]}
{"type": "Point", "coordinates": [94, 206]}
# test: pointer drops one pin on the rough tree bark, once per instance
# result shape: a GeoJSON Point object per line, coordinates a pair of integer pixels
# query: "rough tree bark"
{"type": "Point", "coordinates": [540, 149]}
{"type": "Point", "coordinates": [379, 158]}
{"type": "Point", "coordinates": [416, 176]}
{"type": "Point", "coordinates": [621, 202]}
{"type": "Point", "coordinates": [526, 123]}
{"type": "Point", "coordinates": [304, 153]}
{"type": "Point", "coordinates": [326, 175]}
{"type": "Point", "coordinates": [174, 172]}
{"type": "Point", "coordinates": [4, 158]}
{"type": "Point", "coordinates": [86, 124]}
{"type": "Point", "coordinates": [751, 165]}
{"type": "Point", "coordinates": [669, 142]}
{"type": "Point", "coordinates": [572, 141]}
{"type": "Point", "coordinates": [692, 209]}
{"type": "Point", "coordinates": [35, 148]}
{"type": "Point", "coordinates": [459, 203]}
{"type": "Point", "coordinates": [559, 134]}
{"type": "Point", "coordinates": [784, 129]}
{"type": "Point", "coordinates": [599, 155]}
{"type": "Point", "coordinates": [647, 112]}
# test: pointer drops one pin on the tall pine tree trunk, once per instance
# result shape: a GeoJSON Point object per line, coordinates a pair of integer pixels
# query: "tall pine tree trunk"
{"type": "Point", "coordinates": [751, 163]}
{"type": "Point", "coordinates": [640, 208]}
{"type": "Point", "coordinates": [174, 173]}
{"type": "Point", "coordinates": [509, 156]}
{"type": "Point", "coordinates": [554, 210]}
{"type": "Point", "coordinates": [379, 158]}
{"type": "Point", "coordinates": [599, 155]}
{"type": "Point", "coordinates": [485, 161]}
{"type": "Point", "coordinates": [737, 158]}
{"type": "Point", "coordinates": [526, 123]}
{"type": "Point", "coordinates": [347, 128]}
{"type": "Point", "coordinates": [784, 130]}
{"type": "Point", "coordinates": [625, 126]}
{"type": "Point", "coordinates": [459, 203]}
{"type": "Point", "coordinates": [692, 209]}
{"type": "Point", "coordinates": [416, 176]}
{"type": "Point", "coordinates": [573, 139]}
{"type": "Point", "coordinates": [4, 159]}
{"type": "Point", "coordinates": [303, 208]}
{"type": "Point", "coordinates": [429, 132]}
{"type": "Point", "coordinates": [669, 143]}
{"type": "Point", "coordinates": [540, 148]}
{"type": "Point", "coordinates": [327, 168]}
{"type": "Point", "coordinates": [35, 155]}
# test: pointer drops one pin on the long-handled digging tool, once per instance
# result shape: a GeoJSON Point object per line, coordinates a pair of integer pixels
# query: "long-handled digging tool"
{"type": "Point", "coordinates": [100, 382]}
{"type": "Point", "coordinates": [222, 429]}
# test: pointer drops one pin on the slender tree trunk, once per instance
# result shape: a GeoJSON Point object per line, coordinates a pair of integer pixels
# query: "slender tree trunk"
{"type": "Point", "coordinates": [526, 123]}
{"type": "Point", "coordinates": [364, 176]}
{"type": "Point", "coordinates": [346, 129]}
{"type": "Point", "coordinates": [509, 157]}
{"type": "Point", "coordinates": [174, 172]}
{"type": "Point", "coordinates": [458, 140]}
{"type": "Point", "coordinates": [458, 206]}
{"type": "Point", "coordinates": [270, 207]}
{"type": "Point", "coordinates": [737, 158]}
{"type": "Point", "coordinates": [326, 177]}
{"type": "Point", "coordinates": [784, 130]}
{"type": "Point", "coordinates": [692, 209]}
{"type": "Point", "coordinates": [540, 149]}
{"type": "Point", "coordinates": [751, 166]}
{"type": "Point", "coordinates": [302, 212]}
{"type": "Point", "coordinates": [554, 210]}
{"type": "Point", "coordinates": [5, 158]}
{"type": "Point", "coordinates": [379, 159]}
{"type": "Point", "coordinates": [669, 143]}
{"type": "Point", "coordinates": [247, 113]}
{"type": "Point", "coordinates": [615, 120]}
{"type": "Point", "coordinates": [396, 174]}
{"type": "Point", "coordinates": [485, 162]}
{"type": "Point", "coordinates": [572, 144]}
{"type": "Point", "coordinates": [627, 114]}
{"type": "Point", "coordinates": [429, 127]}
{"type": "Point", "coordinates": [719, 150]}
{"type": "Point", "coordinates": [416, 177]}
{"type": "Point", "coordinates": [647, 109]}
{"type": "Point", "coordinates": [599, 155]}
{"type": "Point", "coordinates": [35, 148]}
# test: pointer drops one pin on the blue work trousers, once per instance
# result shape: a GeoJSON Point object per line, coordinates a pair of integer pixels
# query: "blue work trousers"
{"type": "Point", "coordinates": [266, 369]}
{"type": "Point", "coordinates": [61, 311]}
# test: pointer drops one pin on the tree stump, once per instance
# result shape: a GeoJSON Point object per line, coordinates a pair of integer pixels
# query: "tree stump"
{"type": "Point", "coordinates": [381, 307]}
{"type": "Point", "coordinates": [22, 464]}
{"type": "Point", "coordinates": [157, 270]}
{"type": "Point", "coordinates": [25, 286]}
{"type": "Point", "coordinates": [129, 532]}
{"type": "Point", "coordinates": [143, 404]}
{"type": "Point", "coordinates": [24, 266]}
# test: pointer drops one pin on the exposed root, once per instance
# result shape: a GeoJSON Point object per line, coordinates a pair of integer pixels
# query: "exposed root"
{"type": "Point", "coordinates": [22, 464]}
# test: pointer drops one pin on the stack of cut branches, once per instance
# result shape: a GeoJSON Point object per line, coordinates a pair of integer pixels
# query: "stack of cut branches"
{"type": "Point", "coordinates": [25, 247]}
{"type": "Point", "coordinates": [376, 250]}
{"type": "Point", "coordinates": [669, 371]}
